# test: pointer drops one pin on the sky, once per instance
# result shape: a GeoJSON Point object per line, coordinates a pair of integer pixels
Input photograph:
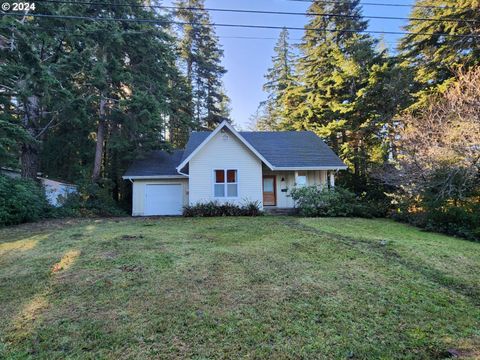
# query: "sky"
{"type": "Point", "coordinates": [247, 60]}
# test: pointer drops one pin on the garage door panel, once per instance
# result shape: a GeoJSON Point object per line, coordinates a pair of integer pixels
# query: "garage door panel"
{"type": "Point", "coordinates": [163, 199]}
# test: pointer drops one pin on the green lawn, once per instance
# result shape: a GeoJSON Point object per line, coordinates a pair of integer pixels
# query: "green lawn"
{"type": "Point", "coordinates": [271, 287]}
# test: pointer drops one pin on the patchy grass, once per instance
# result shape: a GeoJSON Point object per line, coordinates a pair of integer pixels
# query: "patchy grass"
{"type": "Point", "coordinates": [267, 287]}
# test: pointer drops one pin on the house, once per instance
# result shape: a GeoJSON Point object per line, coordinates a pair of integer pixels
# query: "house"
{"type": "Point", "coordinates": [56, 191]}
{"type": "Point", "coordinates": [227, 165]}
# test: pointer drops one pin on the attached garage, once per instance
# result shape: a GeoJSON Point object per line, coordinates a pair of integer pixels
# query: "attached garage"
{"type": "Point", "coordinates": [157, 188]}
{"type": "Point", "coordinates": [159, 197]}
{"type": "Point", "coordinates": [163, 199]}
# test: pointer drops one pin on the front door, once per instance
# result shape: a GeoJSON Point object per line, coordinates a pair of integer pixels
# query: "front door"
{"type": "Point", "coordinates": [269, 191]}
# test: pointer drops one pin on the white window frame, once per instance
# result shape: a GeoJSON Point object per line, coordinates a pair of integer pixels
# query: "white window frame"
{"type": "Point", "coordinates": [297, 175]}
{"type": "Point", "coordinates": [225, 184]}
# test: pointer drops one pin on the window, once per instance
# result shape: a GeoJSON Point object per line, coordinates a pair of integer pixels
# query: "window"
{"type": "Point", "coordinates": [301, 179]}
{"type": "Point", "coordinates": [226, 184]}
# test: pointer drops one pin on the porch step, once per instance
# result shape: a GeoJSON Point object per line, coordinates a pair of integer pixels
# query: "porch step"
{"type": "Point", "coordinates": [279, 211]}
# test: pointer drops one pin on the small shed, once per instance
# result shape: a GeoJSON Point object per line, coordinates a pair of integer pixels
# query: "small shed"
{"type": "Point", "coordinates": [56, 191]}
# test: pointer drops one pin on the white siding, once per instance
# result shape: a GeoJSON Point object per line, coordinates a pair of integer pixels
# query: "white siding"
{"type": "Point", "coordinates": [222, 153]}
{"type": "Point", "coordinates": [138, 203]}
{"type": "Point", "coordinates": [57, 192]}
{"type": "Point", "coordinates": [317, 177]}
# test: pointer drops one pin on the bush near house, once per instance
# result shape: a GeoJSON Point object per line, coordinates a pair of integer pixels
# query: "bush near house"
{"type": "Point", "coordinates": [21, 201]}
{"type": "Point", "coordinates": [92, 200]}
{"type": "Point", "coordinates": [451, 219]}
{"type": "Point", "coordinates": [214, 209]}
{"type": "Point", "coordinates": [338, 202]}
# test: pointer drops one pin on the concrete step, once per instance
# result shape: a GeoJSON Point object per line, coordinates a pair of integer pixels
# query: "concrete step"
{"type": "Point", "coordinates": [280, 211]}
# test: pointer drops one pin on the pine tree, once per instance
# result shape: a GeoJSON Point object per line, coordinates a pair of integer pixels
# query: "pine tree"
{"type": "Point", "coordinates": [333, 68]}
{"type": "Point", "coordinates": [180, 117]}
{"type": "Point", "coordinates": [340, 75]}
{"type": "Point", "coordinates": [280, 77]}
{"type": "Point", "coordinates": [83, 98]}
{"type": "Point", "coordinates": [126, 69]}
{"type": "Point", "coordinates": [127, 92]}
{"type": "Point", "coordinates": [212, 72]}
{"type": "Point", "coordinates": [32, 92]}
{"type": "Point", "coordinates": [435, 58]}
{"type": "Point", "coordinates": [202, 54]}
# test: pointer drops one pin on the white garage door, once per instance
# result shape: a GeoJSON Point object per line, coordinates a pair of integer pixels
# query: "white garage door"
{"type": "Point", "coordinates": [163, 200]}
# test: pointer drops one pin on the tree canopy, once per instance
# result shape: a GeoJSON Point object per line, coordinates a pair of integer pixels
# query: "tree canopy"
{"type": "Point", "coordinates": [104, 92]}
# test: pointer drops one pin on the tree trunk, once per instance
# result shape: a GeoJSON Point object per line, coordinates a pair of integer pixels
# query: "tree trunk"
{"type": "Point", "coordinates": [30, 161]}
{"type": "Point", "coordinates": [356, 160]}
{"type": "Point", "coordinates": [334, 141]}
{"type": "Point", "coordinates": [392, 139]}
{"type": "Point", "coordinates": [117, 180]}
{"type": "Point", "coordinates": [29, 158]}
{"type": "Point", "coordinates": [99, 149]}
{"type": "Point", "coordinates": [189, 70]}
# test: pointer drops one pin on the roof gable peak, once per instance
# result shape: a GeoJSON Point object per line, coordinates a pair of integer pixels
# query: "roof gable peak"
{"type": "Point", "coordinates": [220, 127]}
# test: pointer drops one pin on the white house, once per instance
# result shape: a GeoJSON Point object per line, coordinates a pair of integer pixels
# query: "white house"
{"type": "Point", "coordinates": [227, 165]}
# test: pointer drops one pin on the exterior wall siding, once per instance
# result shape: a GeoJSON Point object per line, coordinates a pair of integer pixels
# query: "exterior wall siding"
{"type": "Point", "coordinates": [225, 151]}
{"type": "Point", "coordinates": [138, 195]}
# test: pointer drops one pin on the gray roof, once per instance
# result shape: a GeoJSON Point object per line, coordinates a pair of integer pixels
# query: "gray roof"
{"type": "Point", "coordinates": [285, 149]}
{"type": "Point", "coordinates": [196, 138]}
{"type": "Point", "coordinates": [156, 163]}
{"type": "Point", "coordinates": [282, 148]}
{"type": "Point", "coordinates": [293, 149]}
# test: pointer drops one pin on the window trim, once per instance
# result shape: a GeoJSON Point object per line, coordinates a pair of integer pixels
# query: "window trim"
{"type": "Point", "coordinates": [225, 184]}
{"type": "Point", "coordinates": [297, 175]}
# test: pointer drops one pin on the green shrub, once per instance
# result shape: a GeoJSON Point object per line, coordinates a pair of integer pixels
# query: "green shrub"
{"type": "Point", "coordinates": [315, 202]}
{"type": "Point", "coordinates": [215, 209]}
{"type": "Point", "coordinates": [21, 201]}
{"type": "Point", "coordinates": [92, 200]}
{"type": "Point", "coordinates": [462, 221]}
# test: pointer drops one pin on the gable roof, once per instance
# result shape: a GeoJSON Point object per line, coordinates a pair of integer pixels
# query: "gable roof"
{"type": "Point", "coordinates": [284, 150]}
{"type": "Point", "coordinates": [157, 164]}
{"type": "Point", "coordinates": [196, 138]}
{"type": "Point", "coordinates": [294, 149]}
{"type": "Point", "coordinates": [210, 135]}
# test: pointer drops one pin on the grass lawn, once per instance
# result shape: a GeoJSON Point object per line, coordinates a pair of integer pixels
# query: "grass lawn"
{"type": "Point", "coordinates": [270, 287]}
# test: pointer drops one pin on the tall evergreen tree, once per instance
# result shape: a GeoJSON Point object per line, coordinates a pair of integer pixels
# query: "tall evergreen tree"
{"type": "Point", "coordinates": [129, 72]}
{"type": "Point", "coordinates": [202, 55]}
{"type": "Point", "coordinates": [339, 75]}
{"type": "Point", "coordinates": [31, 52]}
{"type": "Point", "coordinates": [101, 91]}
{"type": "Point", "coordinates": [333, 68]}
{"type": "Point", "coordinates": [435, 58]}
{"type": "Point", "coordinates": [280, 77]}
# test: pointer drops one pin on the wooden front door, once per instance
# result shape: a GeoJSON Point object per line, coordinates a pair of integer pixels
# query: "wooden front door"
{"type": "Point", "coordinates": [269, 191]}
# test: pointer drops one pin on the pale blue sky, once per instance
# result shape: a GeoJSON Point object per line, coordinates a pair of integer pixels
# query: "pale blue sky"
{"type": "Point", "coordinates": [247, 60]}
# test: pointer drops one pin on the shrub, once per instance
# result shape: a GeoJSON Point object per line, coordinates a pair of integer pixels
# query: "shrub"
{"type": "Point", "coordinates": [21, 201]}
{"type": "Point", "coordinates": [214, 209]}
{"type": "Point", "coordinates": [339, 202]}
{"type": "Point", "coordinates": [463, 221]}
{"type": "Point", "coordinates": [91, 200]}
{"type": "Point", "coordinates": [443, 203]}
